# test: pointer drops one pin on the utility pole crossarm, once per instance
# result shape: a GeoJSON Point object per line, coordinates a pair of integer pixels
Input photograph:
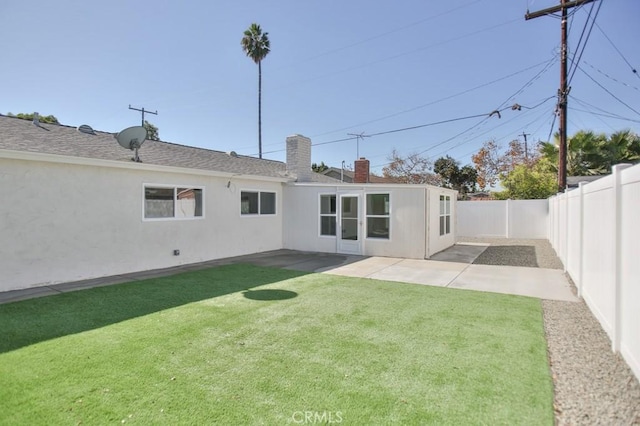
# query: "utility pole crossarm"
{"type": "Point", "coordinates": [555, 9]}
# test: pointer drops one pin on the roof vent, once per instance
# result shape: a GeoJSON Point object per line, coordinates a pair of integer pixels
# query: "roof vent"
{"type": "Point", "coordinates": [232, 154]}
{"type": "Point", "coordinates": [36, 118]}
{"type": "Point", "coordinates": [85, 128]}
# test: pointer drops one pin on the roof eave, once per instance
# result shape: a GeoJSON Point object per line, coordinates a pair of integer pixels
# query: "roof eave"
{"type": "Point", "coordinates": [66, 159]}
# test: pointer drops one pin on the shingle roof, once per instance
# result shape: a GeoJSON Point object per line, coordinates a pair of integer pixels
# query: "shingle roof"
{"type": "Point", "coordinates": [574, 181]}
{"type": "Point", "coordinates": [22, 135]}
{"type": "Point", "coordinates": [347, 175]}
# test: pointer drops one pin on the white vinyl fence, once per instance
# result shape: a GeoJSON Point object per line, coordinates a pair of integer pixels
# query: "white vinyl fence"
{"type": "Point", "coordinates": [595, 230]}
{"type": "Point", "coordinates": [504, 219]}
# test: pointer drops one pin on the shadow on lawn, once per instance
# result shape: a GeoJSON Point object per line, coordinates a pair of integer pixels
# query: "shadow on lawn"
{"type": "Point", "coordinates": [269, 294]}
{"type": "Point", "coordinates": [31, 321]}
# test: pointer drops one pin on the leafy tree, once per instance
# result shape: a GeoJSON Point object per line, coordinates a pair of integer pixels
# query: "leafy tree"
{"type": "Point", "coordinates": [319, 168]}
{"type": "Point", "coordinates": [410, 169]}
{"type": "Point", "coordinates": [517, 153]}
{"type": "Point", "coordinates": [256, 45]}
{"type": "Point", "coordinates": [490, 164]}
{"type": "Point", "coordinates": [453, 176]}
{"type": "Point", "coordinates": [526, 182]}
{"type": "Point", "coordinates": [50, 119]}
{"type": "Point", "coordinates": [152, 131]}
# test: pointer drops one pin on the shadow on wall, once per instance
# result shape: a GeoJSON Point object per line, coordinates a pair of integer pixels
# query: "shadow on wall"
{"type": "Point", "coordinates": [36, 320]}
{"type": "Point", "coordinates": [508, 256]}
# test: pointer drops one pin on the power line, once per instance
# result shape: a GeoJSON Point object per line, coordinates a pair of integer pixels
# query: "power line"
{"type": "Point", "coordinates": [504, 123]}
{"type": "Point", "coordinates": [576, 64]}
{"type": "Point", "coordinates": [375, 37]}
{"type": "Point", "coordinates": [607, 90]}
{"type": "Point", "coordinates": [605, 113]}
{"type": "Point", "coordinates": [609, 77]}
{"type": "Point", "coordinates": [404, 129]}
{"type": "Point", "coordinates": [633, 69]}
{"type": "Point", "coordinates": [616, 117]}
{"type": "Point", "coordinates": [515, 106]}
{"type": "Point", "coordinates": [547, 64]}
{"type": "Point", "coordinates": [411, 52]}
{"type": "Point", "coordinates": [485, 117]}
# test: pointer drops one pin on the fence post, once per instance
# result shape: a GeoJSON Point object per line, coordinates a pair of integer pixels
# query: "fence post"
{"type": "Point", "coordinates": [617, 255]}
{"type": "Point", "coordinates": [506, 219]}
{"type": "Point", "coordinates": [580, 238]}
{"type": "Point", "coordinates": [565, 245]}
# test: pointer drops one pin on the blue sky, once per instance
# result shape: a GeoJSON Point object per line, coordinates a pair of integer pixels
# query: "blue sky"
{"type": "Point", "coordinates": [336, 67]}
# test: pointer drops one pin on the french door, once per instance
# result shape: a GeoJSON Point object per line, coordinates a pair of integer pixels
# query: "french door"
{"type": "Point", "coordinates": [350, 225]}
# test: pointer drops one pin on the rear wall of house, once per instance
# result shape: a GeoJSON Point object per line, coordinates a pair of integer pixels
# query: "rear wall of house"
{"type": "Point", "coordinates": [67, 222]}
{"type": "Point", "coordinates": [407, 228]}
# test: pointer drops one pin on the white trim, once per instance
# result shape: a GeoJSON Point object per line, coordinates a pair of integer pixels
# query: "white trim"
{"type": "Point", "coordinates": [367, 215]}
{"type": "Point", "coordinates": [82, 161]}
{"type": "Point", "coordinates": [347, 187]}
{"type": "Point", "coordinates": [321, 215]}
{"type": "Point", "coordinates": [258, 191]}
{"type": "Point", "coordinates": [358, 195]}
{"type": "Point", "coordinates": [445, 215]}
{"type": "Point", "coordinates": [175, 188]}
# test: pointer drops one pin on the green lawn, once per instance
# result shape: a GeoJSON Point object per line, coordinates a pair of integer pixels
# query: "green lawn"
{"type": "Point", "coordinates": [241, 344]}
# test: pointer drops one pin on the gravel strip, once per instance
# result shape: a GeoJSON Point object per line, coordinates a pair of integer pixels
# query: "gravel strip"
{"type": "Point", "coordinates": [593, 385]}
{"type": "Point", "coordinates": [542, 255]}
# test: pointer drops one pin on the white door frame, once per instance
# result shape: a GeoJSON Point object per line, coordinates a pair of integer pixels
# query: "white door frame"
{"type": "Point", "coordinates": [349, 228]}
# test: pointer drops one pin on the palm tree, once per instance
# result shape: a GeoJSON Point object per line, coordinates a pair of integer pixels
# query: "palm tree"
{"type": "Point", "coordinates": [256, 45]}
{"type": "Point", "coordinates": [621, 147]}
{"type": "Point", "coordinates": [584, 153]}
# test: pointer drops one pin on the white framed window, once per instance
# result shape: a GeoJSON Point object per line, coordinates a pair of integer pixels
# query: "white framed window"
{"type": "Point", "coordinates": [445, 215]}
{"type": "Point", "coordinates": [173, 202]}
{"type": "Point", "coordinates": [378, 216]}
{"type": "Point", "coordinates": [257, 203]}
{"type": "Point", "coordinates": [328, 214]}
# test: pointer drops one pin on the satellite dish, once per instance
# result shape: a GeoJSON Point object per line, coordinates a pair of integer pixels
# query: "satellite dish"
{"type": "Point", "coordinates": [132, 138]}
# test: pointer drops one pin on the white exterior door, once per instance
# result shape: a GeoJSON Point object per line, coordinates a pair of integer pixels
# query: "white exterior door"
{"type": "Point", "coordinates": [350, 225]}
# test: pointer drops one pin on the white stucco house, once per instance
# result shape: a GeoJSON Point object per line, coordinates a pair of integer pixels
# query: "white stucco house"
{"type": "Point", "coordinates": [75, 206]}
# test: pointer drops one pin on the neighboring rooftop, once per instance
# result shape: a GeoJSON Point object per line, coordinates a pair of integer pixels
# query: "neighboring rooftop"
{"type": "Point", "coordinates": [574, 181]}
{"type": "Point", "coordinates": [23, 135]}
{"type": "Point", "coordinates": [347, 176]}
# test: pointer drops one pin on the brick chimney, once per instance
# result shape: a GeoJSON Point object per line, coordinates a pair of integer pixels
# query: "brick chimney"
{"type": "Point", "coordinates": [299, 158]}
{"type": "Point", "coordinates": [361, 174]}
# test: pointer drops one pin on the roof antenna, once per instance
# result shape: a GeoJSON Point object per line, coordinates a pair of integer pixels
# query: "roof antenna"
{"type": "Point", "coordinates": [143, 111]}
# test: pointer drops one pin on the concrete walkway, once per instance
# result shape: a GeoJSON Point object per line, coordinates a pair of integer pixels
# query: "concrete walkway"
{"type": "Point", "coordinates": [451, 268]}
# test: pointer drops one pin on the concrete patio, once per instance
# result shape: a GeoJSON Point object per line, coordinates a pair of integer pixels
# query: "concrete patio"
{"type": "Point", "coordinates": [452, 268]}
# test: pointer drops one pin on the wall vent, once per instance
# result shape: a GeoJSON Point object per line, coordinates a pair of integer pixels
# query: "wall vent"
{"type": "Point", "coordinates": [85, 128]}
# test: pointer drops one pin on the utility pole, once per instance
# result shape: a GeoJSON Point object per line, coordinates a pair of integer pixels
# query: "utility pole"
{"type": "Point", "coordinates": [358, 137]}
{"type": "Point", "coordinates": [563, 92]}
{"type": "Point", "coordinates": [143, 111]}
{"type": "Point", "coordinates": [526, 149]}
